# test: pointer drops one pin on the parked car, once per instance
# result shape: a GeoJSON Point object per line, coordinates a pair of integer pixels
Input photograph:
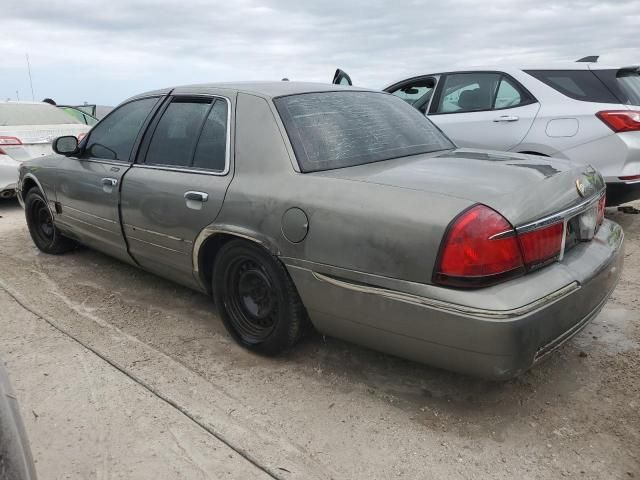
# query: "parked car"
{"type": "Point", "coordinates": [16, 462]}
{"type": "Point", "coordinates": [584, 112]}
{"type": "Point", "coordinates": [287, 199]}
{"type": "Point", "coordinates": [26, 131]}
{"type": "Point", "coordinates": [79, 114]}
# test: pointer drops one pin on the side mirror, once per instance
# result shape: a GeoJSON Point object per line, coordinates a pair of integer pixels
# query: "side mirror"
{"type": "Point", "coordinates": [67, 145]}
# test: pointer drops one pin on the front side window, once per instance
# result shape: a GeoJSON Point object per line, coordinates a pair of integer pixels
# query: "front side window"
{"type": "Point", "coordinates": [468, 92]}
{"type": "Point", "coordinates": [342, 129]}
{"type": "Point", "coordinates": [416, 93]}
{"type": "Point", "coordinates": [114, 137]}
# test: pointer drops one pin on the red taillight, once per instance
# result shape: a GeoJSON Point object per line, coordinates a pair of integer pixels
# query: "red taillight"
{"type": "Point", "coordinates": [541, 245]}
{"type": "Point", "coordinates": [8, 141]}
{"type": "Point", "coordinates": [630, 178]}
{"type": "Point", "coordinates": [479, 248]}
{"type": "Point", "coordinates": [621, 120]}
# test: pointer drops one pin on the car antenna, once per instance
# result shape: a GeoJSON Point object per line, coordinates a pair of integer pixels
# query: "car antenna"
{"type": "Point", "coordinates": [589, 59]}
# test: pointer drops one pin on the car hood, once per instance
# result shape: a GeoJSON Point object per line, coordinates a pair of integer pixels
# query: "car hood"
{"type": "Point", "coordinates": [520, 187]}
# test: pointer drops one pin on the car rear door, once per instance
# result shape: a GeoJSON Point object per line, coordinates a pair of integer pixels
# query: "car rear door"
{"type": "Point", "coordinates": [178, 183]}
{"type": "Point", "coordinates": [88, 186]}
{"type": "Point", "coordinates": [483, 109]}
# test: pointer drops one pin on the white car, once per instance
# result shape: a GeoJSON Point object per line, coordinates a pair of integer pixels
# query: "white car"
{"type": "Point", "coordinates": [584, 112]}
{"type": "Point", "coordinates": [27, 130]}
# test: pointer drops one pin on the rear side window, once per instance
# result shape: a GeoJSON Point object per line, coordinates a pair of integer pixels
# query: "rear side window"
{"type": "Point", "coordinates": [33, 114]}
{"type": "Point", "coordinates": [192, 133]}
{"type": "Point", "coordinates": [577, 84]}
{"type": "Point", "coordinates": [174, 139]}
{"type": "Point", "coordinates": [211, 150]}
{"type": "Point", "coordinates": [113, 138]}
{"type": "Point", "coordinates": [341, 129]}
{"type": "Point", "coordinates": [468, 92]}
{"type": "Point", "coordinates": [624, 83]}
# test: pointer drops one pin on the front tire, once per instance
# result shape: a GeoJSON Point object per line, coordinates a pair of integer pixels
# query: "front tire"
{"type": "Point", "coordinates": [41, 226]}
{"type": "Point", "coordinates": [258, 302]}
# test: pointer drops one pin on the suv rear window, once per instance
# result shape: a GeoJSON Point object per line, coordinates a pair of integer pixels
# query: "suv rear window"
{"type": "Point", "coordinates": [33, 114]}
{"type": "Point", "coordinates": [341, 129]}
{"type": "Point", "coordinates": [624, 83]}
{"type": "Point", "coordinates": [577, 84]}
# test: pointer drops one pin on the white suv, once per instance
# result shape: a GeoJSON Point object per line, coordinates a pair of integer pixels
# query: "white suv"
{"type": "Point", "coordinates": [584, 112]}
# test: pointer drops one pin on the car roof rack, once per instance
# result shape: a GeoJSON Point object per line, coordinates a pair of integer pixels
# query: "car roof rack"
{"type": "Point", "coordinates": [589, 59]}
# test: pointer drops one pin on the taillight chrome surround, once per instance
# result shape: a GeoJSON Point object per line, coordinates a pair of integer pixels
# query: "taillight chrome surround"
{"type": "Point", "coordinates": [597, 202]}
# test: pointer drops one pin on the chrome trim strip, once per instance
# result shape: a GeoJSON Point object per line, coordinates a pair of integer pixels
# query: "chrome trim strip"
{"type": "Point", "coordinates": [65, 207]}
{"type": "Point", "coordinates": [129, 237]}
{"type": "Point", "coordinates": [227, 156]}
{"type": "Point", "coordinates": [560, 216]}
{"type": "Point", "coordinates": [170, 237]}
{"type": "Point", "coordinates": [450, 307]}
{"type": "Point", "coordinates": [93, 225]}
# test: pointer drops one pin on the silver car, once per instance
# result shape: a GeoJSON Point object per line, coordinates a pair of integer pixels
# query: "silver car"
{"type": "Point", "coordinates": [583, 111]}
{"type": "Point", "coordinates": [291, 202]}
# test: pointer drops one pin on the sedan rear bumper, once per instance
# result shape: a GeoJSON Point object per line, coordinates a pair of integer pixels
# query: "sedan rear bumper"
{"type": "Point", "coordinates": [492, 343]}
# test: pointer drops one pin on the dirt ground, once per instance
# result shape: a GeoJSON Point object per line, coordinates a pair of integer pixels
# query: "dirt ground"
{"type": "Point", "coordinates": [121, 374]}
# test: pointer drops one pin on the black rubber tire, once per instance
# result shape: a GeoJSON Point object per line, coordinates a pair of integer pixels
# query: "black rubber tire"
{"type": "Point", "coordinates": [290, 317]}
{"type": "Point", "coordinates": [41, 226]}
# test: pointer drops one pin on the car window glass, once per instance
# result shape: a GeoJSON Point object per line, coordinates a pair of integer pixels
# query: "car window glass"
{"type": "Point", "coordinates": [114, 137]}
{"type": "Point", "coordinates": [343, 128]}
{"type": "Point", "coordinates": [414, 92]}
{"type": "Point", "coordinates": [468, 92]}
{"type": "Point", "coordinates": [33, 114]}
{"type": "Point", "coordinates": [211, 150]}
{"type": "Point", "coordinates": [174, 139]}
{"type": "Point", "coordinates": [577, 84]}
{"type": "Point", "coordinates": [508, 95]}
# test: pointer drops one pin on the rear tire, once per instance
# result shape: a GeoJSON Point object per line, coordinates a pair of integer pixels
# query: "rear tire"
{"type": "Point", "coordinates": [41, 226]}
{"type": "Point", "coordinates": [258, 302]}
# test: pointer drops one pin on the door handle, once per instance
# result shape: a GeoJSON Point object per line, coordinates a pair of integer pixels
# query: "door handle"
{"type": "Point", "coordinates": [507, 118]}
{"type": "Point", "coordinates": [109, 182]}
{"type": "Point", "coordinates": [195, 200]}
{"type": "Point", "coordinates": [196, 196]}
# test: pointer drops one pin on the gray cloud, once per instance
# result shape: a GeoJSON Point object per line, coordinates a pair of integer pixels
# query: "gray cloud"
{"type": "Point", "coordinates": [106, 50]}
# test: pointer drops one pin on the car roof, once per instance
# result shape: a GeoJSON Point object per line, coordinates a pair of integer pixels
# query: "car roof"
{"type": "Point", "coordinates": [263, 89]}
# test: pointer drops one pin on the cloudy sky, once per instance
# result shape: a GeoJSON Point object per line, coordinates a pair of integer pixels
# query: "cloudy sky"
{"type": "Point", "coordinates": [103, 51]}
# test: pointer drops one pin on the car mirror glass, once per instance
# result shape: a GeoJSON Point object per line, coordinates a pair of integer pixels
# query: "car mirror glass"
{"type": "Point", "coordinates": [67, 145]}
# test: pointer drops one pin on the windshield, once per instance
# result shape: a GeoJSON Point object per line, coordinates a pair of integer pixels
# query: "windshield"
{"type": "Point", "coordinates": [33, 114]}
{"type": "Point", "coordinates": [341, 129]}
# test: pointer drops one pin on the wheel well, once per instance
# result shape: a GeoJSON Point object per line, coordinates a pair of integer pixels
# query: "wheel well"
{"type": "Point", "coordinates": [209, 251]}
{"type": "Point", "coordinates": [27, 185]}
{"type": "Point", "coordinates": [535, 153]}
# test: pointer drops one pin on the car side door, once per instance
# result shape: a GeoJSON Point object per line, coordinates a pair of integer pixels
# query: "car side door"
{"type": "Point", "coordinates": [178, 183]}
{"type": "Point", "coordinates": [88, 185]}
{"type": "Point", "coordinates": [483, 109]}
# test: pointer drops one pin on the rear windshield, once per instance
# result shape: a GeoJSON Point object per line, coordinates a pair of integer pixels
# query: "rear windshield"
{"type": "Point", "coordinates": [577, 84]}
{"type": "Point", "coordinates": [341, 129]}
{"type": "Point", "coordinates": [624, 83]}
{"type": "Point", "coordinates": [33, 114]}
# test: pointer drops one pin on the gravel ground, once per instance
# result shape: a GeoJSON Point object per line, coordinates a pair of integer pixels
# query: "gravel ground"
{"type": "Point", "coordinates": [121, 374]}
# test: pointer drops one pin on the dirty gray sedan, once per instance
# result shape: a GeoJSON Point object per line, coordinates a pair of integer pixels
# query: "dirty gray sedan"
{"type": "Point", "coordinates": [291, 202]}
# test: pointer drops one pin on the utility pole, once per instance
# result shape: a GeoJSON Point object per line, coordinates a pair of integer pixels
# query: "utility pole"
{"type": "Point", "coordinates": [17, 96]}
{"type": "Point", "coordinates": [33, 97]}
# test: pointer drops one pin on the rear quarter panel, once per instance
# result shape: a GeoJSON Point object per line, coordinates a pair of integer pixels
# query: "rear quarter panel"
{"type": "Point", "coordinates": [352, 225]}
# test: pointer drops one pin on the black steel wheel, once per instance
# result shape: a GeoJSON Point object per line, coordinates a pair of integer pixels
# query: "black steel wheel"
{"type": "Point", "coordinates": [41, 226]}
{"type": "Point", "coordinates": [256, 299]}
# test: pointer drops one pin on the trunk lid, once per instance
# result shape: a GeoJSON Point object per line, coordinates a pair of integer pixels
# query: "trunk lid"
{"type": "Point", "coordinates": [37, 139]}
{"type": "Point", "coordinates": [523, 188]}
